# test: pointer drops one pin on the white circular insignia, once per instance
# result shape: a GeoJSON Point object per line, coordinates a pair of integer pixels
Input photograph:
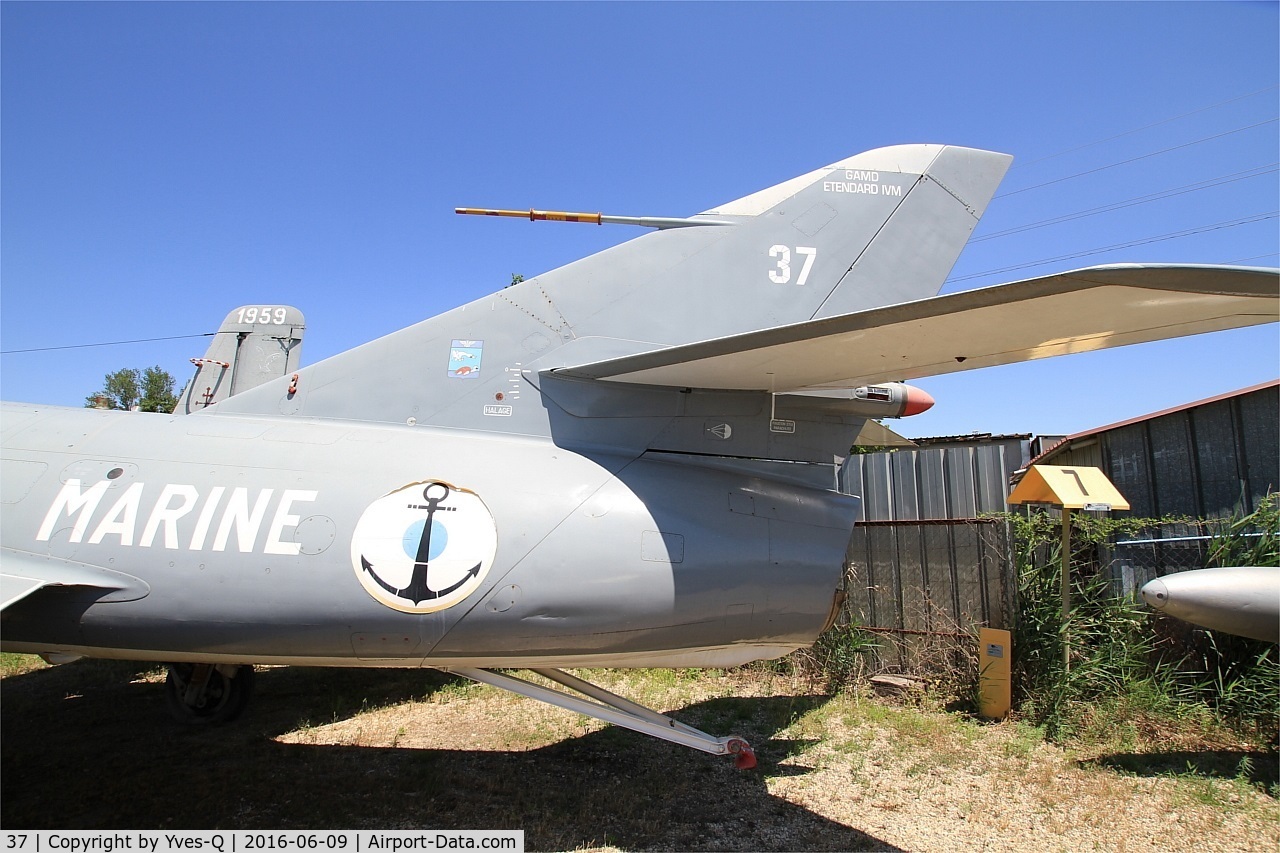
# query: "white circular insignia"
{"type": "Point", "coordinates": [424, 547]}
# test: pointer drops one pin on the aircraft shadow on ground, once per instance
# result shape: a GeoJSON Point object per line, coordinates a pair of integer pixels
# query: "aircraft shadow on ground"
{"type": "Point", "coordinates": [1259, 768]}
{"type": "Point", "coordinates": [83, 747]}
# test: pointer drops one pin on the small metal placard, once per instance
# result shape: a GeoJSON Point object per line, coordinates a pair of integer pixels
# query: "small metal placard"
{"type": "Point", "coordinates": [994, 650]}
{"type": "Point", "coordinates": [777, 425]}
{"type": "Point", "coordinates": [1097, 507]}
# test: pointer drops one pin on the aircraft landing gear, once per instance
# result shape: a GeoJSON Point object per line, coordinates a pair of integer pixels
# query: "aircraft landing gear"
{"type": "Point", "coordinates": [614, 709]}
{"type": "Point", "coordinates": [204, 694]}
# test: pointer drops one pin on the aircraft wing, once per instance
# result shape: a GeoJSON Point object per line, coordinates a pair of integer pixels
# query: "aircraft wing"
{"type": "Point", "coordinates": [22, 573]}
{"type": "Point", "coordinates": [1079, 311]}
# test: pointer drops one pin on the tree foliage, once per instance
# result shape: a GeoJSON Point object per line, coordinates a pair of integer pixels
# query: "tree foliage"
{"type": "Point", "coordinates": [150, 390]}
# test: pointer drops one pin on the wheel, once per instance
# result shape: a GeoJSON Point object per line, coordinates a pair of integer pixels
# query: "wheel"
{"type": "Point", "coordinates": [219, 699]}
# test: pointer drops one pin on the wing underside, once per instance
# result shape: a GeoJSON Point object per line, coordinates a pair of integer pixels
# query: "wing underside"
{"type": "Point", "coordinates": [1080, 311]}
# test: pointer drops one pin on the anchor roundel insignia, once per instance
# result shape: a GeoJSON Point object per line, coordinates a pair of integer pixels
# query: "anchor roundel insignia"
{"type": "Point", "coordinates": [424, 547]}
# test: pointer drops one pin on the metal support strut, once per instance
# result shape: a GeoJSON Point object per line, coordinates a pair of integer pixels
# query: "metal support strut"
{"type": "Point", "coordinates": [614, 709]}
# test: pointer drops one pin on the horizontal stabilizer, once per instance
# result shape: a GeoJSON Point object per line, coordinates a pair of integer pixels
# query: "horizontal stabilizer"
{"type": "Point", "coordinates": [22, 573]}
{"type": "Point", "coordinates": [1080, 311]}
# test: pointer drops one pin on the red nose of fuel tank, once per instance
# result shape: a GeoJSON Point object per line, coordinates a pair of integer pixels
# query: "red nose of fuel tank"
{"type": "Point", "coordinates": [918, 400]}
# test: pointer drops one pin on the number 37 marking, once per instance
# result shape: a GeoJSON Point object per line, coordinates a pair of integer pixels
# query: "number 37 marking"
{"type": "Point", "coordinates": [781, 273]}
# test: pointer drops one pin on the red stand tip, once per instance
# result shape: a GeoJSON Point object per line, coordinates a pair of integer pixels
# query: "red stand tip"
{"type": "Point", "coordinates": [744, 757]}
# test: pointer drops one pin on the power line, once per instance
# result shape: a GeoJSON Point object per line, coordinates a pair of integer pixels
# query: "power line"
{"type": "Point", "coordinates": [107, 343]}
{"type": "Point", "coordinates": [1136, 159]}
{"type": "Point", "coordinates": [1146, 240]}
{"type": "Point", "coordinates": [1256, 172]}
{"type": "Point", "coordinates": [1144, 127]}
{"type": "Point", "coordinates": [1252, 258]}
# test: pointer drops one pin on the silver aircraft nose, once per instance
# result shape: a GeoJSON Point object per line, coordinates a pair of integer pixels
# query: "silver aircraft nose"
{"type": "Point", "coordinates": [1155, 594]}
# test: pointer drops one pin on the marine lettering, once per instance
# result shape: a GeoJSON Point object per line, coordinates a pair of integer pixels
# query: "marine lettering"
{"type": "Point", "coordinates": [238, 515]}
{"type": "Point", "coordinates": [121, 518]}
{"type": "Point", "coordinates": [284, 519]}
{"type": "Point", "coordinates": [169, 515]}
{"type": "Point", "coordinates": [71, 500]}
{"type": "Point", "coordinates": [242, 514]}
{"type": "Point", "coordinates": [206, 517]}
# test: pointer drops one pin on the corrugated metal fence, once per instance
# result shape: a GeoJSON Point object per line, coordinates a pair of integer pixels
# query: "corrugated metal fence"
{"type": "Point", "coordinates": [957, 479]}
{"type": "Point", "coordinates": [919, 583]}
{"type": "Point", "coordinates": [924, 571]}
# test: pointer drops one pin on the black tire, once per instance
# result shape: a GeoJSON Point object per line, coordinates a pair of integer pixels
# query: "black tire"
{"type": "Point", "coordinates": [221, 702]}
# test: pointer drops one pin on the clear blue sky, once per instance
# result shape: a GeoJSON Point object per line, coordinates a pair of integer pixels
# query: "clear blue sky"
{"type": "Point", "coordinates": [163, 163]}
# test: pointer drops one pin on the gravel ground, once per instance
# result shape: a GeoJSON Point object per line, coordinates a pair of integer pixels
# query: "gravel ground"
{"type": "Point", "coordinates": [1009, 798]}
{"type": "Point", "coordinates": [88, 745]}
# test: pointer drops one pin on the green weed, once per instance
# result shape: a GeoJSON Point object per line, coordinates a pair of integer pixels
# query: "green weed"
{"type": "Point", "coordinates": [1108, 670]}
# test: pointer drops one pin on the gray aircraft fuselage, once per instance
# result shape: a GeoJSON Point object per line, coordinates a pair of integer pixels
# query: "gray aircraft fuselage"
{"type": "Point", "coordinates": [234, 534]}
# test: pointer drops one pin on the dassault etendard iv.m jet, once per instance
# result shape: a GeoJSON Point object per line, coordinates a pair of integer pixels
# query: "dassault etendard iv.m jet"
{"type": "Point", "coordinates": [625, 462]}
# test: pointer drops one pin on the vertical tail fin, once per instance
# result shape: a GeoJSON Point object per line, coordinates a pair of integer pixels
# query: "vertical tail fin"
{"type": "Point", "coordinates": [255, 344]}
{"type": "Point", "coordinates": [912, 253]}
{"type": "Point", "coordinates": [875, 229]}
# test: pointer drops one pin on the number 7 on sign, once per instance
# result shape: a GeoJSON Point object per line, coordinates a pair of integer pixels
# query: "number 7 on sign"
{"type": "Point", "coordinates": [781, 273]}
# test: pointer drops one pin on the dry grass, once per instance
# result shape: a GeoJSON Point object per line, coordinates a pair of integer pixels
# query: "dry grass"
{"type": "Point", "coordinates": [89, 745]}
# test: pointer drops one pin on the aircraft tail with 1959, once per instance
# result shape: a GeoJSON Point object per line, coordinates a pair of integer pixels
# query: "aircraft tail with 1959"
{"type": "Point", "coordinates": [628, 461]}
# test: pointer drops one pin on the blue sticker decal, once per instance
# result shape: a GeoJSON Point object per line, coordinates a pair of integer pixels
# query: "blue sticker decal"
{"type": "Point", "coordinates": [464, 359]}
